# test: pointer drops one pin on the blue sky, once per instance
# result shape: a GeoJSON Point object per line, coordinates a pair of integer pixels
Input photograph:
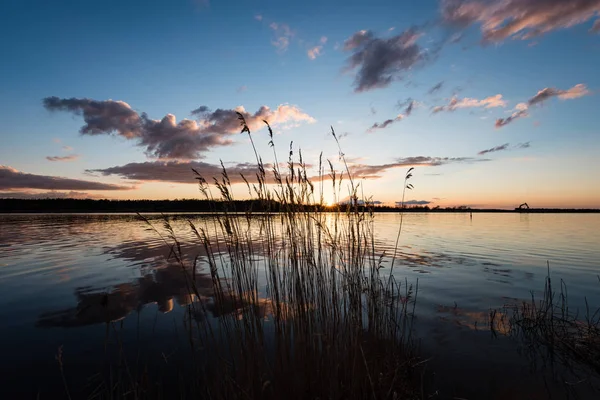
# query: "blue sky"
{"type": "Point", "coordinates": [528, 58]}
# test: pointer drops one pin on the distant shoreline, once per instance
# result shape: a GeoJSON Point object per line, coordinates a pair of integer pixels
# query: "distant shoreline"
{"type": "Point", "coordinates": [87, 206]}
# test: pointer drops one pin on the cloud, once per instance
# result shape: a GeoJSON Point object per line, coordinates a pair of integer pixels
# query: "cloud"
{"type": "Point", "coordinates": [505, 146]}
{"type": "Point", "coordinates": [408, 105]}
{"type": "Point", "coordinates": [374, 171]}
{"type": "Point", "coordinates": [167, 138]}
{"type": "Point", "coordinates": [226, 121]}
{"type": "Point", "coordinates": [49, 195]}
{"type": "Point", "coordinates": [283, 34]}
{"type": "Point", "coordinates": [241, 89]}
{"type": "Point", "coordinates": [186, 139]}
{"type": "Point", "coordinates": [317, 50]}
{"type": "Point", "coordinates": [436, 88]}
{"type": "Point", "coordinates": [380, 61]}
{"type": "Point", "coordinates": [67, 148]}
{"type": "Point", "coordinates": [11, 178]}
{"type": "Point", "coordinates": [456, 103]}
{"type": "Point", "coordinates": [596, 26]}
{"type": "Point", "coordinates": [385, 123]}
{"type": "Point", "coordinates": [520, 111]}
{"type": "Point", "coordinates": [71, 157]}
{"type": "Point", "coordinates": [179, 172]}
{"type": "Point", "coordinates": [576, 91]}
{"type": "Point", "coordinates": [519, 19]}
{"type": "Point", "coordinates": [101, 117]}
{"type": "Point", "coordinates": [413, 203]}
{"type": "Point", "coordinates": [258, 17]}
{"type": "Point", "coordinates": [494, 149]}
{"type": "Point", "coordinates": [314, 52]}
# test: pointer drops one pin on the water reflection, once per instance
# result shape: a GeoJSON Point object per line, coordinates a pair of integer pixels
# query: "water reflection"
{"type": "Point", "coordinates": [165, 280]}
{"type": "Point", "coordinates": [166, 285]}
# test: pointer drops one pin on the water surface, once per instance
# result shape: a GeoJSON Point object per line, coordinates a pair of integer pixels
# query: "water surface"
{"type": "Point", "coordinates": [57, 270]}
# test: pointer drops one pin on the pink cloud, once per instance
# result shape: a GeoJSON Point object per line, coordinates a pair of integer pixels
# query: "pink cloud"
{"type": "Point", "coordinates": [283, 34]}
{"type": "Point", "coordinates": [575, 92]}
{"type": "Point", "coordinates": [519, 19]}
{"type": "Point", "coordinates": [314, 52]}
{"type": "Point", "coordinates": [456, 103]}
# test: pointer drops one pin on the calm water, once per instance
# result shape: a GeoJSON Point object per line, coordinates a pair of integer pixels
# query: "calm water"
{"type": "Point", "coordinates": [55, 270]}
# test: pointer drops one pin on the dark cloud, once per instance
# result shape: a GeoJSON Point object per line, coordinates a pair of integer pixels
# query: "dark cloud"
{"type": "Point", "coordinates": [380, 61]}
{"type": "Point", "coordinates": [49, 195]}
{"type": "Point", "coordinates": [385, 123]}
{"type": "Point", "coordinates": [414, 203]}
{"type": "Point", "coordinates": [200, 110]}
{"type": "Point", "coordinates": [101, 117]}
{"type": "Point", "coordinates": [71, 157]}
{"type": "Point", "coordinates": [436, 161]}
{"type": "Point", "coordinates": [10, 178]}
{"type": "Point", "coordinates": [179, 172]}
{"type": "Point", "coordinates": [523, 145]}
{"type": "Point", "coordinates": [167, 138]}
{"type": "Point", "coordinates": [407, 106]}
{"type": "Point", "coordinates": [494, 149]}
{"type": "Point", "coordinates": [226, 121]}
{"type": "Point", "coordinates": [436, 88]}
{"type": "Point", "coordinates": [519, 19]}
{"type": "Point", "coordinates": [520, 111]}
{"type": "Point", "coordinates": [576, 91]}
{"type": "Point", "coordinates": [500, 122]}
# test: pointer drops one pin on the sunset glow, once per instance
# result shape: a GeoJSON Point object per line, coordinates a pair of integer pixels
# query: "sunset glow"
{"type": "Point", "coordinates": [485, 111]}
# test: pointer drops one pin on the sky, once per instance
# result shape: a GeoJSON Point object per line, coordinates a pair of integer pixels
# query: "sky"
{"type": "Point", "coordinates": [492, 102]}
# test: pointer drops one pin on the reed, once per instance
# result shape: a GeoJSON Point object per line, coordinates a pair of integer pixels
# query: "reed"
{"type": "Point", "coordinates": [304, 306]}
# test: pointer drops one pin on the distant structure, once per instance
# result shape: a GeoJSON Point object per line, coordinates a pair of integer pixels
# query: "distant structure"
{"type": "Point", "coordinates": [523, 207]}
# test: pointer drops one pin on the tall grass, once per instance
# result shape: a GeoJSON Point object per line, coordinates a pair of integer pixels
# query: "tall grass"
{"type": "Point", "coordinates": [317, 316]}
